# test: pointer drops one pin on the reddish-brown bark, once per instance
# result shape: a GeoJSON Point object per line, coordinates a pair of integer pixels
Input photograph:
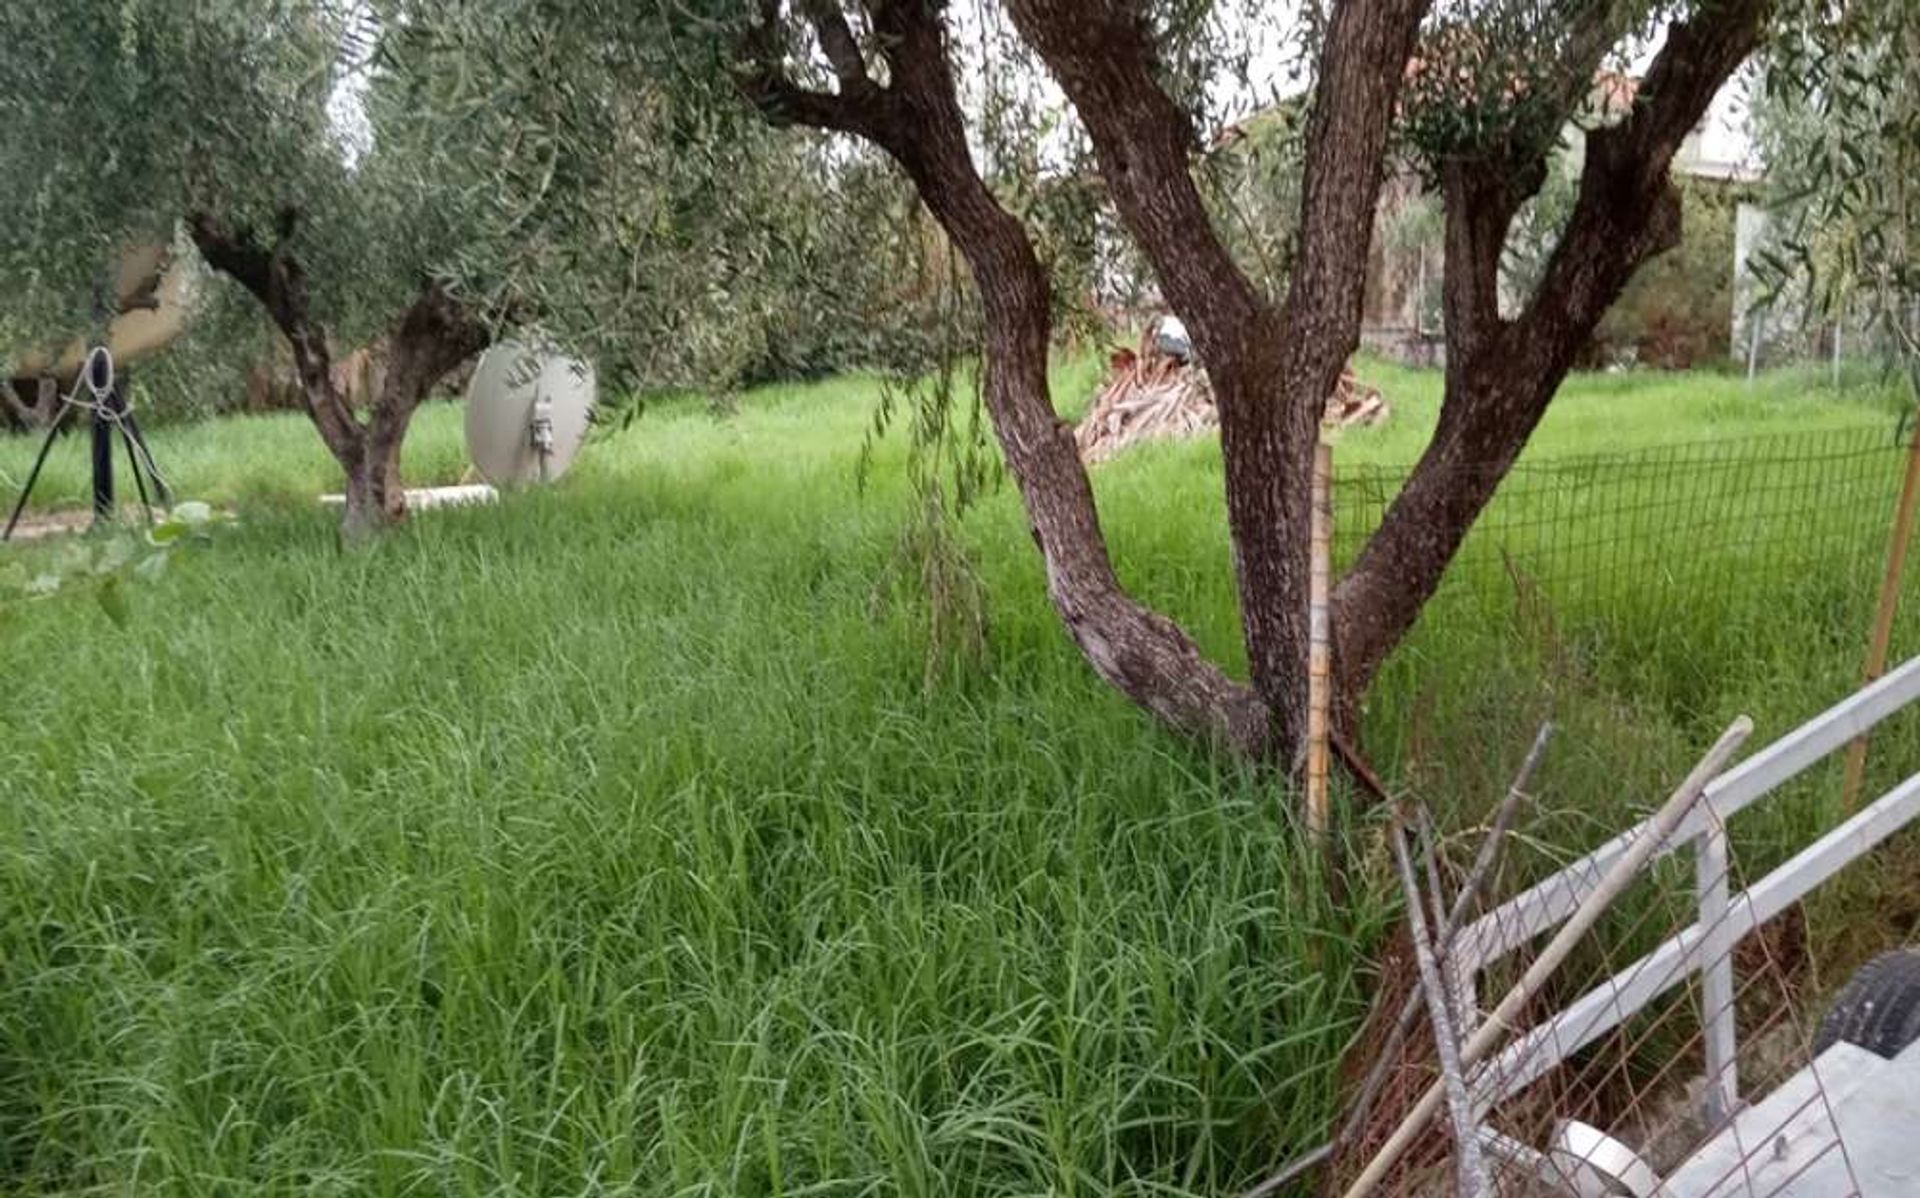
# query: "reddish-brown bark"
{"type": "Point", "coordinates": [1271, 364]}
{"type": "Point", "coordinates": [1502, 373]}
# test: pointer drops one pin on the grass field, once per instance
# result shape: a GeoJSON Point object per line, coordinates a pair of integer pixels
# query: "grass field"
{"type": "Point", "coordinates": [612, 841]}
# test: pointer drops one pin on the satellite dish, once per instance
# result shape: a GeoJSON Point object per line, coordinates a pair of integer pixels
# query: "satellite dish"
{"type": "Point", "coordinates": [527, 413]}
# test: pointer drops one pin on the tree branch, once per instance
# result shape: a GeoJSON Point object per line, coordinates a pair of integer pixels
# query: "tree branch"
{"type": "Point", "coordinates": [860, 108]}
{"type": "Point", "coordinates": [1628, 209]}
{"type": "Point", "coordinates": [276, 279]}
{"type": "Point", "coordinates": [1362, 68]}
{"type": "Point", "coordinates": [1102, 56]}
{"type": "Point", "coordinates": [1485, 188]}
{"type": "Point", "coordinates": [1499, 382]}
{"type": "Point", "coordinates": [918, 121]}
{"type": "Point", "coordinates": [842, 49]}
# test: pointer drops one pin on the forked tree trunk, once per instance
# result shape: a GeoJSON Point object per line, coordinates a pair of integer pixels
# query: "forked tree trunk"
{"type": "Point", "coordinates": [917, 119]}
{"type": "Point", "coordinates": [434, 335]}
{"type": "Point", "coordinates": [433, 338]}
{"type": "Point", "coordinates": [1272, 366]}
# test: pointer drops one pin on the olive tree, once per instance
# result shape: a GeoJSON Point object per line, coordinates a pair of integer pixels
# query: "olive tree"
{"type": "Point", "coordinates": [423, 172]}
{"type": "Point", "coordinates": [1839, 124]}
{"type": "Point", "coordinates": [131, 118]}
{"type": "Point", "coordinates": [1478, 94]}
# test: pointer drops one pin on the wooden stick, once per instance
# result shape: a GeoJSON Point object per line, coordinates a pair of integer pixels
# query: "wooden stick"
{"type": "Point", "coordinates": [1472, 1169]}
{"type": "Point", "coordinates": [1294, 1171]}
{"type": "Point", "coordinates": [1500, 1022]}
{"type": "Point", "coordinates": [1876, 663]}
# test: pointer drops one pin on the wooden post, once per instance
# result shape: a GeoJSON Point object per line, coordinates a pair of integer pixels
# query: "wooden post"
{"type": "Point", "coordinates": [1882, 638]}
{"type": "Point", "coordinates": [1320, 642]}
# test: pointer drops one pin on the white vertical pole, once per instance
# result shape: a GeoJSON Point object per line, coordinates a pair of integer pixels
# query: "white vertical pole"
{"type": "Point", "coordinates": [1717, 1027]}
{"type": "Point", "coordinates": [1839, 330]}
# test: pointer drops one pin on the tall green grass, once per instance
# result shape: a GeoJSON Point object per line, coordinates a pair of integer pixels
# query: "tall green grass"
{"type": "Point", "coordinates": [271, 459]}
{"type": "Point", "coordinates": [611, 840]}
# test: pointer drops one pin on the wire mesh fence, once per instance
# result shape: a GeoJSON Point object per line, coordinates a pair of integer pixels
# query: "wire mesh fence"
{"type": "Point", "coordinates": [1677, 1040]}
{"type": "Point", "coordinates": [1687, 582]}
{"type": "Point", "coordinates": [1615, 534]}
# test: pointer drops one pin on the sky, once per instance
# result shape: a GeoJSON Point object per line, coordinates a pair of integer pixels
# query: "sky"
{"type": "Point", "coordinates": [1273, 70]}
{"type": "Point", "coordinates": [347, 106]}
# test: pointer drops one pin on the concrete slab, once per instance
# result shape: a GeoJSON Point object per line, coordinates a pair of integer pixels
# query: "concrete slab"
{"type": "Point", "coordinates": [1848, 1125]}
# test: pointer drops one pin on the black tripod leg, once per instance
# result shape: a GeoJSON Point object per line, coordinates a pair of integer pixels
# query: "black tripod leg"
{"type": "Point", "coordinates": [33, 476]}
{"type": "Point", "coordinates": [102, 464]}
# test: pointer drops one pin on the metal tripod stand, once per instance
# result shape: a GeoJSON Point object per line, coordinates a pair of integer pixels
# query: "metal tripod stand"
{"type": "Point", "coordinates": [111, 412]}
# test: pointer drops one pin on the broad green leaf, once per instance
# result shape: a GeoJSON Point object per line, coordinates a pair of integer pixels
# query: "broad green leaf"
{"type": "Point", "coordinates": [113, 601]}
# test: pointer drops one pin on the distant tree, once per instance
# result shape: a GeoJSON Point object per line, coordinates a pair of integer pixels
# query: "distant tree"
{"type": "Point", "coordinates": [1839, 124]}
{"type": "Point", "coordinates": [1678, 311]}
{"type": "Point", "coordinates": [425, 172]}
{"type": "Point", "coordinates": [1479, 92]}
{"type": "Point", "coordinates": [129, 118]}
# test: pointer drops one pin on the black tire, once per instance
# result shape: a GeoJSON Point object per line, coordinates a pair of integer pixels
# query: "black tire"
{"type": "Point", "coordinates": [1879, 1007]}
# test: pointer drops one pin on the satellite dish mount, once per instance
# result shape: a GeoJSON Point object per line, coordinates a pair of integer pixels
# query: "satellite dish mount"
{"type": "Point", "coordinates": [542, 429]}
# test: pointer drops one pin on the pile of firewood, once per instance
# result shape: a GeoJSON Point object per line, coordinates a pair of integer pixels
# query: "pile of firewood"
{"type": "Point", "coordinates": [1354, 403]}
{"type": "Point", "coordinates": [1150, 396]}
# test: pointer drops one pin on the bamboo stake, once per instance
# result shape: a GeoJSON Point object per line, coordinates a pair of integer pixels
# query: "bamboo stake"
{"type": "Point", "coordinates": [1497, 1025]}
{"type": "Point", "coordinates": [1319, 641]}
{"type": "Point", "coordinates": [1889, 604]}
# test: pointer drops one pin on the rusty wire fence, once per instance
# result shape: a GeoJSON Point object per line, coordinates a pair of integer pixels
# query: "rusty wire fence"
{"type": "Point", "coordinates": [1733, 575]}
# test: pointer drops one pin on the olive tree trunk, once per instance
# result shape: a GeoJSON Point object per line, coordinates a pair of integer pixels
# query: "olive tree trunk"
{"type": "Point", "coordinates": [432, 337]}
{"type": "Point", "coordinates": [1272, 361]}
